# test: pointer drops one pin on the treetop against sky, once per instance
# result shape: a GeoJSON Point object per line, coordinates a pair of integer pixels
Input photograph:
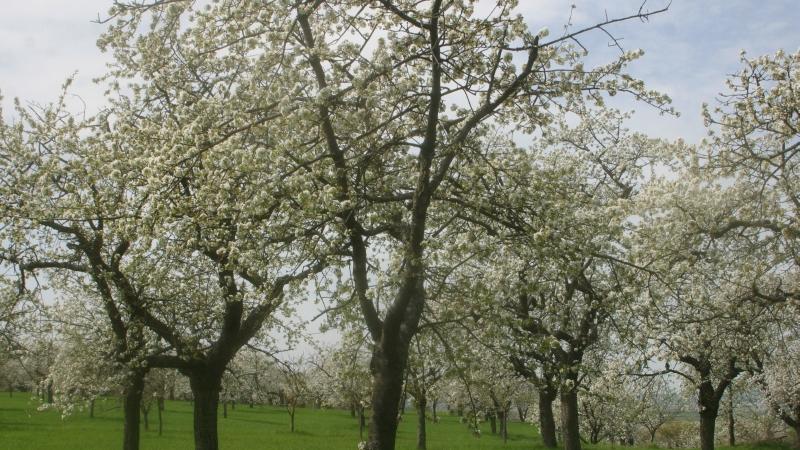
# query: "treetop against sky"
{"type": "Point", "coordinates": [689, 50]}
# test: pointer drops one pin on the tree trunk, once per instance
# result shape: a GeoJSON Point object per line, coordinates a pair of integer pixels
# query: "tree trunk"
{"type": "Point", "coordinates": [709, 409]}
{"type": "Point", "coordinates": [145, 415]}
{"type": "Point", "coordinates": [362, 423]}
{"type": "Point", "coordinates": [387, 386]}
{"type": "Point", "coordinates": [522, 413]}
{"type": "Point", "coordinates": [160, 420]}
{"type": "Point", "coordinates": [708, 422]}
{"type": "Point", "coordinates": [569, 419]}
{"type": "Point", "coordinates": [493, 422]}
{"type": "Point", "coordinates": [130, 404]}
{"type": "Point", "coordinates": [291, 419]}
{"type": "Point", "coordinates": [731, 420]}
{"type": "Point", "coordinates": [421, 432]}
{"type": "Point", "coordinates": [205, 390]}
{"type": "Point", "coordinates": [352, 409]}
{"type": "Point", "coordinates": [91, 409]}
{"type": "Point", "coordinates": [796, 430]}
{"type": "Point", "coordinates": [49, 392]}
{"type": "Point", "coordinates": [503, 416]}
{"type": "Point", "coordinates": [594, 435]}
{"type": "Point", "coordinates": [433, 411]}
{"type": "Point", "coordinates": [547, 423]}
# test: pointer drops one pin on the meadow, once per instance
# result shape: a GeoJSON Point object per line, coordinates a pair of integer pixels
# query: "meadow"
{"type": "Point", "coordinates": [24, 427]}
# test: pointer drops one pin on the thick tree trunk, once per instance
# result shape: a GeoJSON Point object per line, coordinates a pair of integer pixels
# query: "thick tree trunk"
{"type": "Point", "coordinates": [387, 386]}
{"type": "Point", "coordinates": [709, 409]}
{"type": "Point", "coordinates": [708, 423]}
{"type": "Point", "coordinates": [547, 423]}
{"type": "Point", "coordinates": [569, 420]}
{"type": "Point", "coordinates": [130, 404]}
{"type": "Point", "coordinates": [421, 431]}
{"type": "Point", "coordinates": [205, 390]}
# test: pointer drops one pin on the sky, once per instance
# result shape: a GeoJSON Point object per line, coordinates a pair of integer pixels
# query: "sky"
{"type": "Point", "coordinates": [689, 50]}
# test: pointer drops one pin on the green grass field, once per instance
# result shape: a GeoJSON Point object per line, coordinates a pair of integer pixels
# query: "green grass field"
{"type": "Point", "coordinates": [23, 427]}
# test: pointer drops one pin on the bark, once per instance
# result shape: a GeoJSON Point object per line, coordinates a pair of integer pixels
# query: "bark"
{"type": "Point", "coordinates": [292, 410]}
{"type": "Point", "coordinates": [493, 422]}
{"type": "Point", "coordinates": [205, 390]}
{"type": "Point", "coordinates": [503, 416]}
{"type": "Point", "coordinates": [570, 420]}
{"type": "Point", "coordinates": [433, 411]}
{"type": "Point", "coordinates": [796, 430]}
{"type": "Point", "coordinates": [421, 431]}
{"type": "Point", "coordinates": [387, 374]}
{"type": "Point", "coordinates": [594, 435]}
{"type": "Point", "coordinates": [403, 401]}
{"type": "Point", "coordinates": [353, 409]}
{"type": "Point", "coordinates": [708, 421]}
{"type": "Point", "coordinates": [131, 404]}
{"type": "Point", "coordinates": [362, 423]}
{"type": "Point", "coordinates": [49, 392]}
{"type": "Point", "coordinates": [731, 428]}
{"type": "Point", "coordinates": [91, 409]}
{"type": "Point", "coordinates": [145, 415]}
{"type": "Point", "coordinates": [547, 423]}
{"type": "Point", "coordinates": [709, 409]}
{"type": "Point", "coordinates": [160, 419]}
{"type": "Point", "coordinates": [522, 413]}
